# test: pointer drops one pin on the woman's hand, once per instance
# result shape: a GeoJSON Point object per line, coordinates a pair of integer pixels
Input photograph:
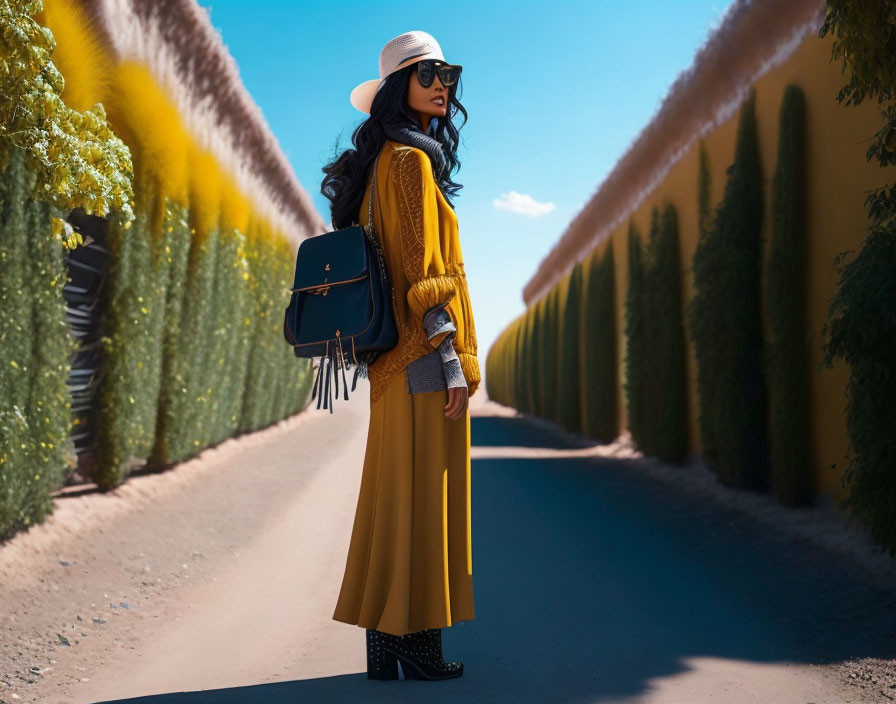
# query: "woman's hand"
{"type": "Point", "coordinates": [458, 399]}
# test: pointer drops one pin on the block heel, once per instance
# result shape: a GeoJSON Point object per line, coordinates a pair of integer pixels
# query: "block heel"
{"type": "Point", "coordinates": [419, 656]}
{"type": "Point", "coordinates": [381, 664]}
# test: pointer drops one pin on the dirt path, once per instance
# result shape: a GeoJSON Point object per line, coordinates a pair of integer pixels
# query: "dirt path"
{"type": "Point", "coordinates": [600, 577]}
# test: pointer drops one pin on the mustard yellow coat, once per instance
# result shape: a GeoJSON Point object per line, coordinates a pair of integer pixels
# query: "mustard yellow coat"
{"type": "Point", "coordinates": [419, 235]}
{"type": "Point", "coordinates": [410, 564]}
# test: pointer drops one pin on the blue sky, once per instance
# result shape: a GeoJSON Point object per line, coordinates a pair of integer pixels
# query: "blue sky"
{"type": "Point", "coordinates": [555, 92]}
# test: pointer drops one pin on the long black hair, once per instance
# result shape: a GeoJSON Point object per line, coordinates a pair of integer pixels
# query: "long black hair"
{"type": "Point", "coordinates": [346, 175]}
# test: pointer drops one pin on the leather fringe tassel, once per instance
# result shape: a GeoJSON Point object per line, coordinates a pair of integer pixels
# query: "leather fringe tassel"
{"type": "Point", "coordinates": [360, 370]}
{"type": "Point", "coordinates": [327, 385]}
{"type": "Point", "coordinates": [331, 370]}
{"type": "Point", "coordinates": [342, 364]}
{"type": "Point", "coordinates": [336, 363]}
{"type": "Point", "coordinates": [335, 376]}
{"type": "Point", "coordinates": [317, 382]}
{"type": "Point", "coordinates": [336, 372]}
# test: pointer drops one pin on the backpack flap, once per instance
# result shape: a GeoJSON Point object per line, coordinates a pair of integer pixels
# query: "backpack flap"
{"type": "Point", "coordinates": [332, 258]}
{"type": "Point", "coordinates": [331, 289]}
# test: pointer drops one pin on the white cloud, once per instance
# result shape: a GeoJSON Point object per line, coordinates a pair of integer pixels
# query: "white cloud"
{"type": "Point", "coordinates": [523, 204]}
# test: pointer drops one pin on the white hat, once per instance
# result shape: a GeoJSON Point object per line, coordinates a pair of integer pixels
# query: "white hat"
{"type": "Point", "coordinates": [403, 50]}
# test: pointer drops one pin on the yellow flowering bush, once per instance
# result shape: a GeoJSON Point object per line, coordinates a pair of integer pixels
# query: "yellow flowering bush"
{"type": "Point", "coordinates": [78, 160]}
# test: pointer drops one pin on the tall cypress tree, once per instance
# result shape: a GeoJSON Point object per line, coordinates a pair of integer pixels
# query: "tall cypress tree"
{"type": "Point", "coordinates": [516, 354]}
{"type": "Point", "coordinates": [669, 406]}
{"type": "Point", "coordinates": [651, 379]}
{"type": "Point", "coordinates": [700, 329]}
{"type": "Point", "coordinates": [568, 408]}
{"type": "Point", "coordinates": [600, 407]}
{"type": "Point", "coordinates": [725, 318]}
{"type": "Point", "coordinates": [634, 337]}
{"type": "Point", "coordinates": [530, 362]}
{"type": "Point", "coordinates": [787, 350]}
{"type": "Point", "coordinates": [551, 350]}
{"type": "Point", "coordinates": [541, 337]}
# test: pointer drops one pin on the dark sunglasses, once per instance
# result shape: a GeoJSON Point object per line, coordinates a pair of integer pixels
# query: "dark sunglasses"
{"type": "Point", "coordinates": [428, 68]}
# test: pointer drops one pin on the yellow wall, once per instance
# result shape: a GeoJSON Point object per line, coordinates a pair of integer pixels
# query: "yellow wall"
{"type": "Point", "coordinates": [838, 177]}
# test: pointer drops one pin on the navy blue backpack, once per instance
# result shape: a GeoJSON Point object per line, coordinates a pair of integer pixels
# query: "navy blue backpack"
{"type": "Point", "coordinates": [340, 307]}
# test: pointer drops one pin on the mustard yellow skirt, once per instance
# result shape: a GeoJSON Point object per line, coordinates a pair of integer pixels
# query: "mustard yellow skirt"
{"type": "Point", "coordinates": [410, 562]}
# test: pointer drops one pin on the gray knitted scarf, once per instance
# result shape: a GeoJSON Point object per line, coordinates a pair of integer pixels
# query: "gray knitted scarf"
{"type": "Point", "coordinates": [416, 138]}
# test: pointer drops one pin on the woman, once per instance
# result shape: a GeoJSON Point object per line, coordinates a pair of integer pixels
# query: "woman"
{"type": "Point", "coordinates": [409, 569]}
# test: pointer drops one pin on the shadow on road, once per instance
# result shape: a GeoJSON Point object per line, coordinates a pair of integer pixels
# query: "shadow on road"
{"type": "Point", "coordinates": [500, 431]}
{"type": "Point", "coordinates": [591, 580]}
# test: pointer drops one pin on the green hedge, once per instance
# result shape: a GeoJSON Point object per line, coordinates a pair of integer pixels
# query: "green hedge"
{"type": "Point", "coordinates": [489, 378]}
{"type": "Point", "coordinates": [523, 378]}
{"type": "Point", "coordinates": [599, 362]}
{"type": "Point", "coordinates": [180, 315]}
{"type": "Point", "coordinates": [269, 368]}
{"type": "Point", "coordinates": [862, 331]}
{"type": "Point", "coordinates": [36, 454]}
{"type": "Point", "coordinates": [569, 412]}
{"type": "Point", "coordinates": [175, 241]}
{"type": "Point", "coordinates": [501, 366]}
{"type": "Point", "coordinates": [664, 404]}
{"type": "Point", "coordinates": [540, 333]}
{"type": "Point", "coordinates": [519, 381]}
{"type": "Point", "coordinates": [708, 353]}
{"type": "Point", "coordinates": [724, 319]}
{"type": "Point", "coordinates": [530, 363]}
{"type": "Point", "coordinates": [635, 350]}
{"type": "Point", "coordinates": [549, 350]}
{"type": "Point", "coordinates": [651, 374]}
{"type": "Point", "coordinates": [861, 326]}
{"type": "Point", "coordinates": [132, 310]}
{"type": "Point", "coordinates": [787, 348]}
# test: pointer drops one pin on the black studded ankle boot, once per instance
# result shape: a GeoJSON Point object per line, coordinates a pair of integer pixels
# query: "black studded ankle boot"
{"type": "Point", "coordinates": [381, 665]}
{"type": "Point", "coordinates": [419, 656]}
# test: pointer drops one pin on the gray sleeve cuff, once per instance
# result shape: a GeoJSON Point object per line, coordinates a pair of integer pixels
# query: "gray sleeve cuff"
{"type": "Point", "coordinates": [437, 320]}
{"type": "Point", "coordinates": [454, 375]}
